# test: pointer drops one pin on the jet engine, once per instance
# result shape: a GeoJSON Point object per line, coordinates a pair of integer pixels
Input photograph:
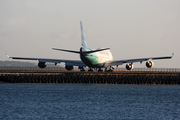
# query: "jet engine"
{"type": "Point", "coordinates": [129, 66]}
{"type": "Point", "coordinates": [41, 64]}
{"type": "Point", "coordinates": [149, 64]}
{"type": "Point", "coordinates": [68, 67]}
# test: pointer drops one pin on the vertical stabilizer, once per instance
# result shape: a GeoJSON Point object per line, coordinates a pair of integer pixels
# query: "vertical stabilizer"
{"type": "Point", "coordinates": [83, 40]}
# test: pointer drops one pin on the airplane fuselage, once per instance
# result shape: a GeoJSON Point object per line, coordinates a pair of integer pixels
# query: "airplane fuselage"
{"type": "Point", "coordinates": [97, 59]}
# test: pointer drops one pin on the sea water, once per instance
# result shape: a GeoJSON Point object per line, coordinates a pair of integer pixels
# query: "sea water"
{"type": "Point", "coordinates": [81, 101]}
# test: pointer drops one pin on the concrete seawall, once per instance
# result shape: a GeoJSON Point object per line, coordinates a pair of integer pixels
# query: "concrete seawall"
{"type": "Point", "coordinates": [150, 78]}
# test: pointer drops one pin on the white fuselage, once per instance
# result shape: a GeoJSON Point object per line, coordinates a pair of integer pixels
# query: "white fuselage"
{"type": "Point", "coordinates": [104, 56]}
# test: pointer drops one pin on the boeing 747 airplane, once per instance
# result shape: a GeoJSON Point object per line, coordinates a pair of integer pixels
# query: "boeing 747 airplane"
{"type": "Point", "coordinates": [94, 59]}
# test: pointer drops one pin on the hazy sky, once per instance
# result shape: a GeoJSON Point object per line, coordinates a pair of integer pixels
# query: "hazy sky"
{"type": "Point", "coordinates": [131, 28]}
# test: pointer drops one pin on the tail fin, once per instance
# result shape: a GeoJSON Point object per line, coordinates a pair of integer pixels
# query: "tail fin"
{"type": "Point", "coordinates": [83, 40]}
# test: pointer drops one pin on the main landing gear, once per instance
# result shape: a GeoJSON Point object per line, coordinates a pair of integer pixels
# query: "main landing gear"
{"type": "Point", "coordinates": [98, 69]}
{"type": "Point", "coordinates": [81, 69]}
{"type": "Point", "coordinates": [90, 69]}
{"type": "Point", "coordinates": [110, 69]}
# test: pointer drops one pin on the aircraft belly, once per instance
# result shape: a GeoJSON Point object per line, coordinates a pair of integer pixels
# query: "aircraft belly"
{"type": "Point", "coordinates": [89, 60]}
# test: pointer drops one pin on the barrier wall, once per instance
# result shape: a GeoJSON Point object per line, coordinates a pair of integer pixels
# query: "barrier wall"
{"type": "Point", "coordinates": [158, 78]}
{"type": "Point", "coordinates": [76, 69]}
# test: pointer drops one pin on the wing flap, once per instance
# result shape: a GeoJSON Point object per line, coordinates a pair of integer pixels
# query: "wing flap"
{"type": "Point", "coordinates": [120, 62]}
{"type": "Point", "coordinates": [68, 62]}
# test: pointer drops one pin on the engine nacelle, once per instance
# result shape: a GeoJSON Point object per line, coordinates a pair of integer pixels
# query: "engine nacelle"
{"type": "Point", "coordinates": [68, 67]}
{"type": "Point", "coordinates": [149, 64]}
{"type": "Point", "coordinates": [41, 64]}
{"type": "Point", "coordinates": [129, 66]}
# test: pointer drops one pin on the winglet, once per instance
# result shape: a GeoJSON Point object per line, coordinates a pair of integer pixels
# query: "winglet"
{"type": "Point", "coordinates": [172, 55]}
{"type": "Point", "coordinates": [7, 55]}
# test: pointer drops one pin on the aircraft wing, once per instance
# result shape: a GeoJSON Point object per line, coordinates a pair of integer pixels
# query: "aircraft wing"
{"type": "Point", "coordinates": [120, 62]}
{"type": "Point", "coordinates": [67, 62]}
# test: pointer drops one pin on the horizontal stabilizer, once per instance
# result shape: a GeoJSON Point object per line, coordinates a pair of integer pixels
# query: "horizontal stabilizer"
{"type": "Point", "coordinates": [66, 50]}
{"type": "Point", "coordinates": [96, 50]}
{"type": "Point", "coordinates": [82, 51]}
